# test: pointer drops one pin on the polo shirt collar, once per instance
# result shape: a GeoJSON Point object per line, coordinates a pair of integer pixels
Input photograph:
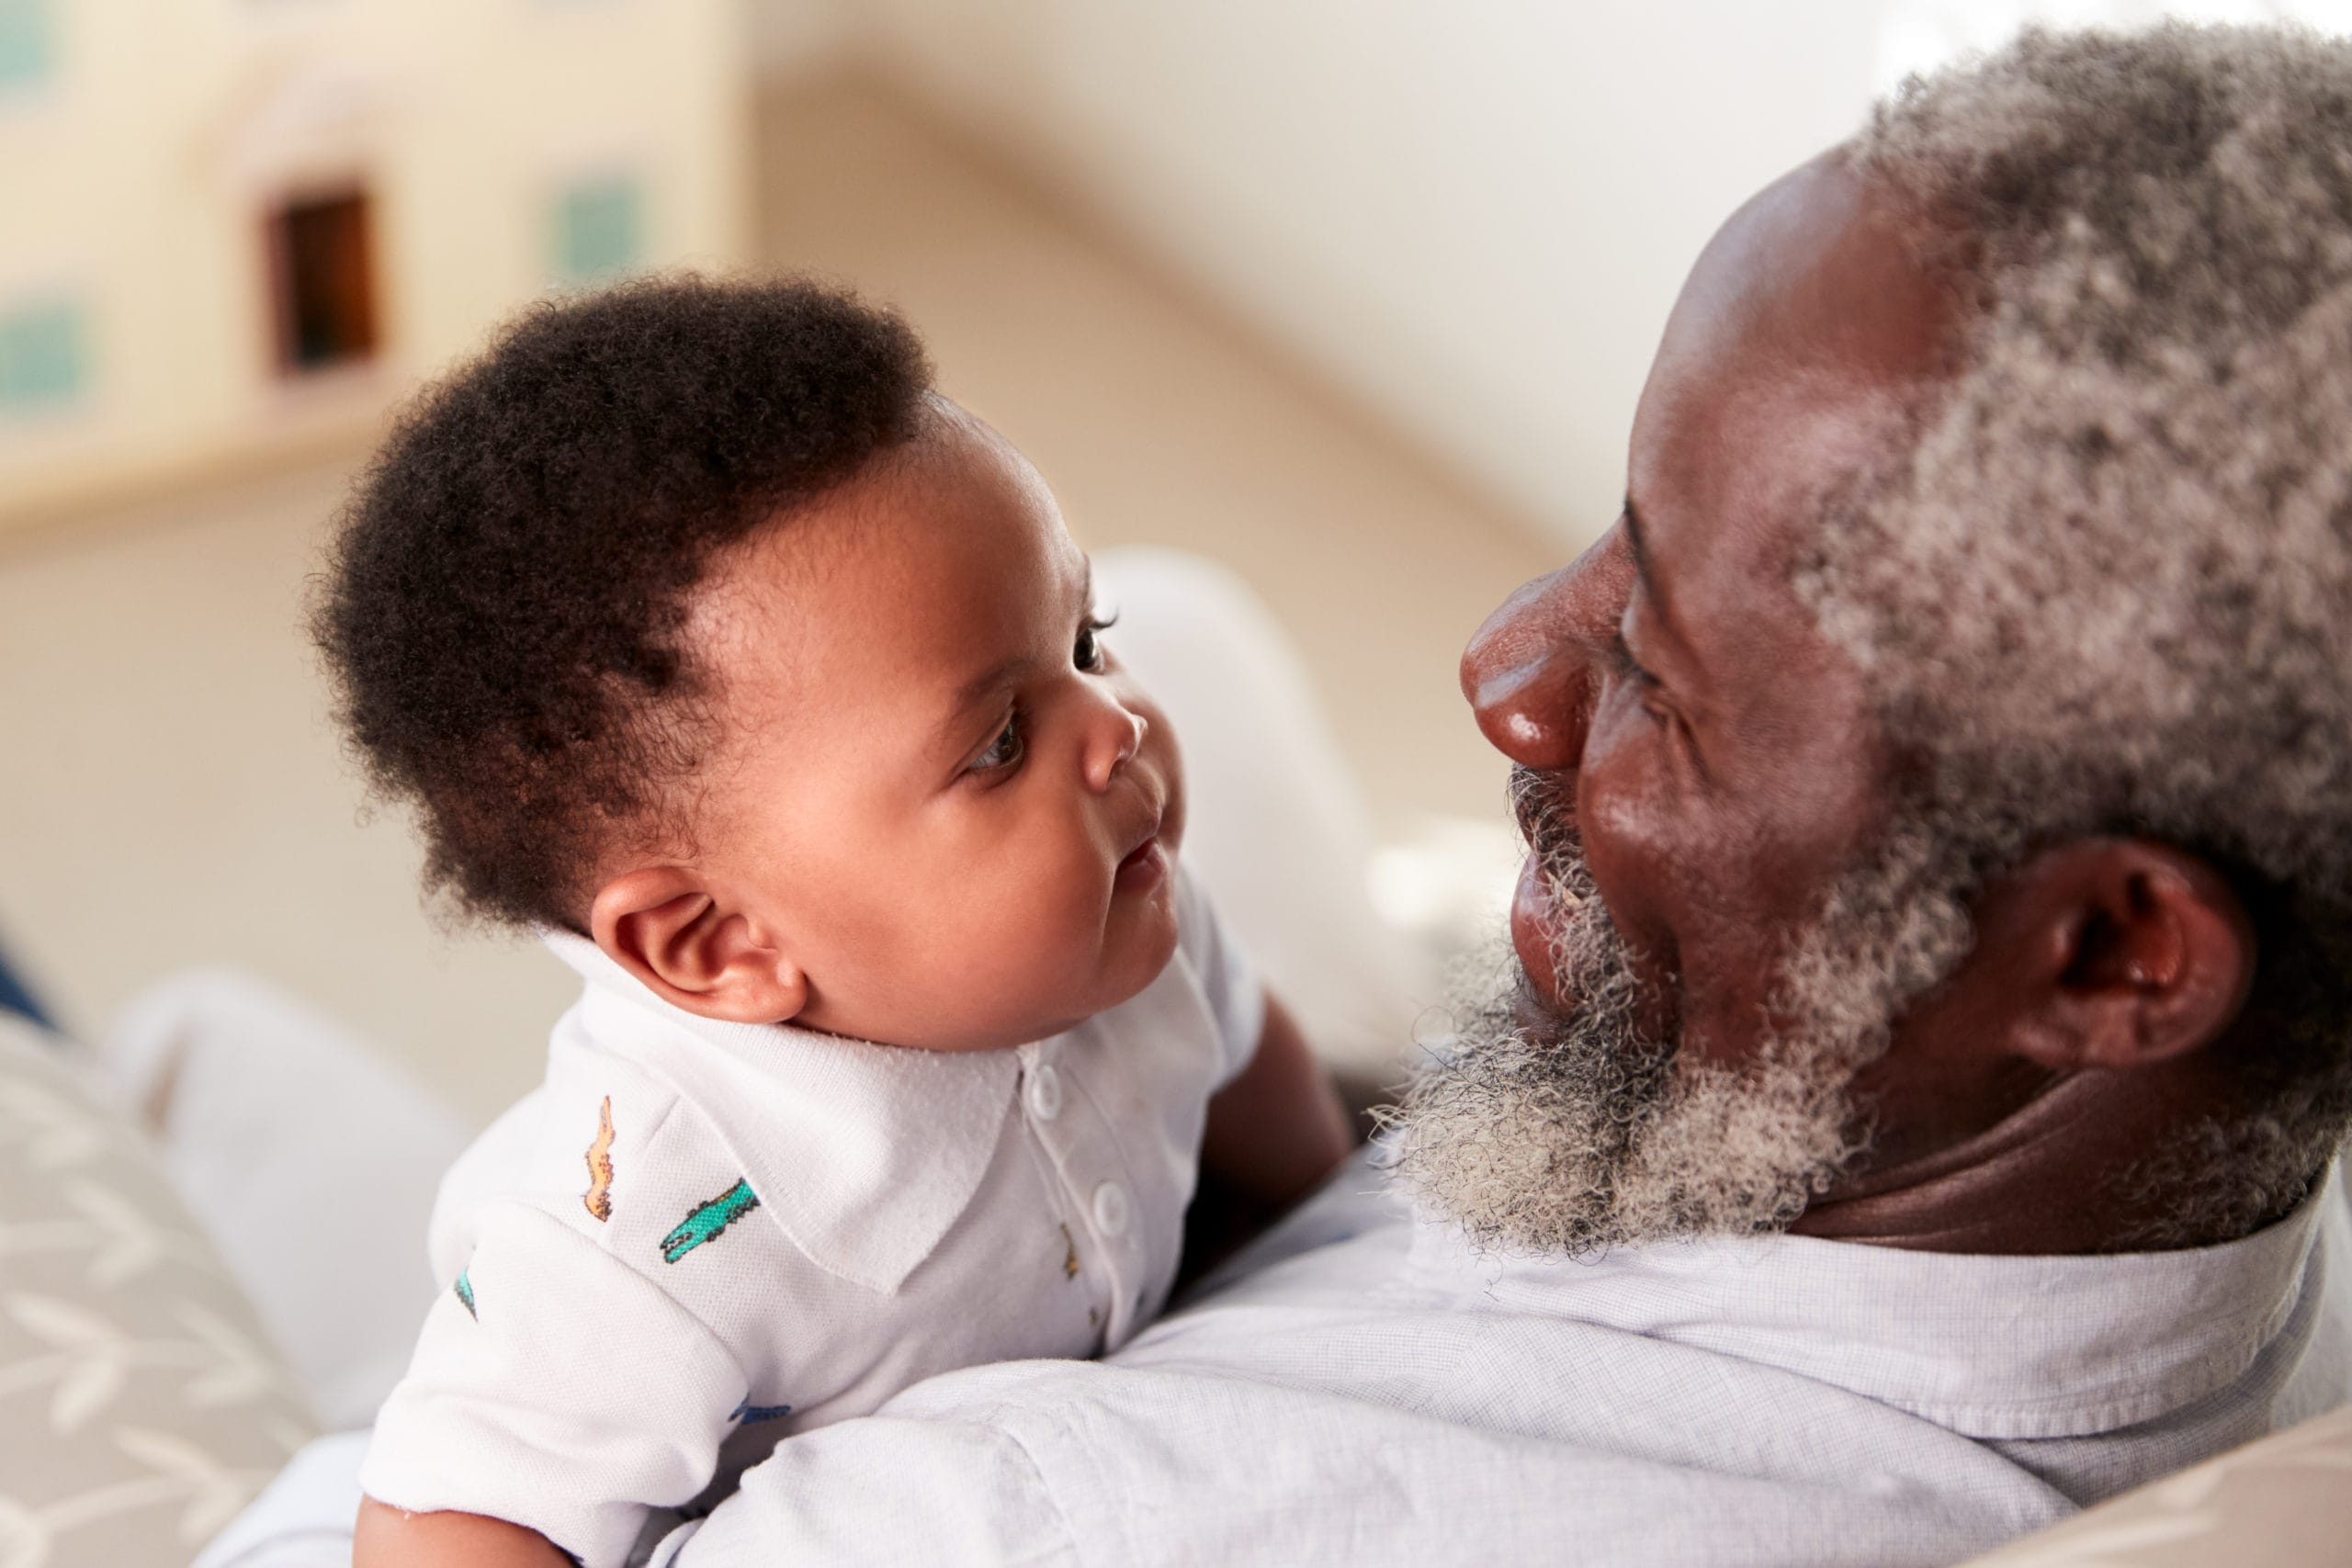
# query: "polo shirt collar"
{"type": "Point", "coordinates": [862, 1155]}
{"type": "Point", "coordinates": [1990, 1347]}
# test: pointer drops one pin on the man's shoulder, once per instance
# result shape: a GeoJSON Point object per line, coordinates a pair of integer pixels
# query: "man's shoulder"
{"type": "Point", "coordinates": [1337, 1398]}
{"type": "Point", "coordinates": [1709, 1402]}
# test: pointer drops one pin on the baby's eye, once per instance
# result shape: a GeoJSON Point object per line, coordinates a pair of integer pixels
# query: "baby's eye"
{"type": "Point", "coordinates": [1088, 654]}
{"type": "Point", "coordinates": [1005, 750]}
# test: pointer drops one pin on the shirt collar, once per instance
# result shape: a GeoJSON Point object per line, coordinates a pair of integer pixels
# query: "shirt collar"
{"type": "Point", "coordinates": [1989, 1347]}
{"type": "Point", "coordinates": [862, 1155]}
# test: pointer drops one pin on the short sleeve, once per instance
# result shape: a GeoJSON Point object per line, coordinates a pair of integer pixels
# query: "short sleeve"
{"type": "Point", "coordinates": [572, 1377]}
{"type": "Point", "coordinates": [556, 1387]}
{"type": "Point", "coordinates": [1237, 998]}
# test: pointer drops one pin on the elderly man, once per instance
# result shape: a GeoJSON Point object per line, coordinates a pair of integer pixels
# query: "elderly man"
{"type": "Point", "coordinates": [1915, 1115]}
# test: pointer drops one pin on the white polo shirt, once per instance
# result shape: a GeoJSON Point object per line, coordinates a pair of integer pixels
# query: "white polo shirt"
{"type": "Point", "coordinates": [695, 1238]}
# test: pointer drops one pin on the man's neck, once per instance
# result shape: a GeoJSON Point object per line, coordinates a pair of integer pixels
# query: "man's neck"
{"type": "Point", "coordinates": [2056, 1175]}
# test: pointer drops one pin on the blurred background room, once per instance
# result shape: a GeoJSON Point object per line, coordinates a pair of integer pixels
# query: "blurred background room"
{"type": "Point", "coordinates": [1352, 296]}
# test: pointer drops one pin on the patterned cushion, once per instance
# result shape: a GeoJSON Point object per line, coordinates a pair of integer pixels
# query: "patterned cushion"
{"type": "Point", "coordinates": [140, 1403]}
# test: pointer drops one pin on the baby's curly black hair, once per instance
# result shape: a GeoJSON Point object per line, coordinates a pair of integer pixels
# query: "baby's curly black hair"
{"type": "Point", "coordinates": [502, 604]}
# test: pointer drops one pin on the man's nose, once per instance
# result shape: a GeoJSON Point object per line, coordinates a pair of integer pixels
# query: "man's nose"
{"type": "Point", "coordinates": [1529, 670]}
{"type": "Point", "coordinates": [1114, 735]}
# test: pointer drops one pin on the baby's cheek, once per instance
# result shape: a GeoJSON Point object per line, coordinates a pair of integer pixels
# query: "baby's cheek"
{"type": "Point", "coordinates": [1050, 926]}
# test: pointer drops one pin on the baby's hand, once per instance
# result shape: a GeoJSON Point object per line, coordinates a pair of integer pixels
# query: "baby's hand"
{"type": "Point", "coordinates": [387, 1538]}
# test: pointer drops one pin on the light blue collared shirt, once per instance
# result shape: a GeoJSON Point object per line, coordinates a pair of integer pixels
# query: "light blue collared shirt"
{"type": "Point", "coordinates": [1363, 1389]}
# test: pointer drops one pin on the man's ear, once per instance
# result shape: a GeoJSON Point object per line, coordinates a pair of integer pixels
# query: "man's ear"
{"type": "Point", "coordinates": [2116, 953]}
{"type": "Point", "coordinates": [662, 925]}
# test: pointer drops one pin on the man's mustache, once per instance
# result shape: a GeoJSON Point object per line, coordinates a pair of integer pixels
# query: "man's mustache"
{"type": "Point", "coordinates": [1543, 803]}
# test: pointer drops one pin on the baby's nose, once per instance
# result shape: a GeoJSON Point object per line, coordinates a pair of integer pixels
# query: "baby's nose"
{"type": "Point", "coordinates": [1115, 743]}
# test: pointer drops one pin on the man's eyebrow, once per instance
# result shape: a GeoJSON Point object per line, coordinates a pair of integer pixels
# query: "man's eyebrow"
{"type": "Point", "coordinates": [1646, 568]}
{"type": "Point", "coordinates": [1640, 549]}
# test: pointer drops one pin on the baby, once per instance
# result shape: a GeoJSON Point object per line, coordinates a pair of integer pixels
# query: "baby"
{"type": "Point", "coordinates": [766, 684]}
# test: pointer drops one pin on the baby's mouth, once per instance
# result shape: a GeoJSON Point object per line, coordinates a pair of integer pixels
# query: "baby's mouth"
{"type": "Point", "coordinates": [1142, 867]}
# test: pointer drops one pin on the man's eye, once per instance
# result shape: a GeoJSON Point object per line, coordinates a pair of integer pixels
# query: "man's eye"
{"type": "Point", "coordinates": [1004, 751]}
{"type": "Point", "coordinates": [1644, 684]}
{"type": "Point", "coordinates": [1622, 656]}
{"type": "Point", "coordinates": [1088, 654]}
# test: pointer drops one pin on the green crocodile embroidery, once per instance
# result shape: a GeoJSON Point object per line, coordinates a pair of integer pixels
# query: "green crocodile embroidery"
{"type": "Point", "coordinates": [707, 1223]}
{"type": "Point", "coordinates": [465, 1289]}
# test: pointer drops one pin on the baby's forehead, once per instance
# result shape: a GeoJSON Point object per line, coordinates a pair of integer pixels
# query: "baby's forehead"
{"type": "Point", "coordinates": [883, 599]}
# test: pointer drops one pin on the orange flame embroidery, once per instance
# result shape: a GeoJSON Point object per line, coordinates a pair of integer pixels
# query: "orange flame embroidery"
{"type": "Point", "coordinates": [599, 1196]}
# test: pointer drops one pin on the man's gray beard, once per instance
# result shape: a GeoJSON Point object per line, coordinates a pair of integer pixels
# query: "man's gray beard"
{"type": "Point", "coordinates": [1586, 1132]}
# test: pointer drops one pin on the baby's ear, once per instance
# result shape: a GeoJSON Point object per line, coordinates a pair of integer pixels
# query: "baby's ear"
{"type": "Point", "coordinates": [664, 926]}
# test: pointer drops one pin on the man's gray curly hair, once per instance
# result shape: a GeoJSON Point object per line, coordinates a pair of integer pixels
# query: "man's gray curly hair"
{"type": "Point", "coordinates": [2110, 590]}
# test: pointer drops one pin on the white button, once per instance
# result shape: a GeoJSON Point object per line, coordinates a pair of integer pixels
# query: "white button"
{"type": "Point", "coordinates": [1111, 1209]}
{"type": "Point", "coordinates": [1045, 1091]}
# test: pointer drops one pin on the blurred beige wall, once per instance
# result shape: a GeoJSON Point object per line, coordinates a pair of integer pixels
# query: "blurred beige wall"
{"type": "Point", "coordinates": [1473, 216]}
{"type": "Point", "coordinates": [138, 166]}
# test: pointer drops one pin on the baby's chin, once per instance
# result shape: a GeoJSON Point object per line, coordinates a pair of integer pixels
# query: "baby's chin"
{"type": "Point", "coordinates": [1154, 938]}
{"type": "Point", "coordinates": [1138, 943]}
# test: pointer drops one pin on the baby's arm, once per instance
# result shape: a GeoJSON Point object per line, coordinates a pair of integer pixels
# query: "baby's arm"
{"type": "Point", "coordinates": [1278, 1128]}
{"type": "Point", "coordinates": [575, 1374]}
{"type": "Point", "coordinates": [387, 1538]}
